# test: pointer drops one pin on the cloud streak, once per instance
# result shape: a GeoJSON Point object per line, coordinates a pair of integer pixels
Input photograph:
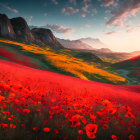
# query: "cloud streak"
{"type": "Point", "coordinates": [125, 10]}
{"type": "Point", "coordinates": [110, 33]}
{"type": "Point", "coordinates": [107, 3]}
{"type": "Point", "coordinates": [69, 10]}
{"type": "Point", "coordinates": [59, 29]}
{"type": "Point", "coordinates": [9, 8]}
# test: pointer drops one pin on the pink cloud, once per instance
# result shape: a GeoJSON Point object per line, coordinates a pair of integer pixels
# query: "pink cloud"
{"type": "Point", "coordinates": [85, 8]}
{"type": "Point", "coordinates": [59, 29]}
{"type": "Point", "coordinates": [110, 33]}
{"type": "Point", "coordinates": [9, 8]}
{"type": "Point", "coordinates": [107, 11]}
{"type": "Point", "coordinates": [82, 14]}
{"type": "Point", "coordinates": [69, 10]}
{"type": "Point", "coordinates": [94, 10]}
{"type": "Point", "coordinates": [107, 3]}
{"type": "Point", "coordinates": [129, 30]}
{"type": "Point", "coordinates": [87, 26]}
{"type": "Point", "coordinates": [138, 26]}
{"type": "Point", "coordinates": [63, 10]}
{"type": "Point", "coordinates": [123, 12]}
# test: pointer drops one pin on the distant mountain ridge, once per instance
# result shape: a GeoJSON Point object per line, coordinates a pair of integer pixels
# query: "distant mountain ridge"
{"type": "Point", "coordinates": [95, 43]}
{"type": "Point", "coordinates": [74, 44]}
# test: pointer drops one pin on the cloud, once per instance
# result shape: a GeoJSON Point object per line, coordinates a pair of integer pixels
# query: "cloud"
{"type": "Point", "coordinates": [94, 10]}
{"type": "Point", "coordinates": [59, 29]}
{"type": "Point", "coordinates": [125, 10]}
{"type": "Point", "coordinates": [129, 30]}
{"type": "Point", "coordinates": [110, 33]}
{"type": "Point", "coordinates": [74, 2]}
{"type": "Point", "coordinates": [69, 10]}
{"type": "Point", "coordinates": [85, 8]}
{"type": "Point", "coordinates": [30, 19]}
{"type": "Point", "coordinates": [82, 14]}
{"type": "Point", "coordinates": [107, 11]}
{"type": "Point", "coordinates": [55, 2]}
{"type": "Point", "coordinates": [138, 26]}
{"type": "Point", "coordinates": [9, 8]}
{"type": "Point", "coordinates": [107, 3]}
{"type": "Point", "coordinates": [87, 25]}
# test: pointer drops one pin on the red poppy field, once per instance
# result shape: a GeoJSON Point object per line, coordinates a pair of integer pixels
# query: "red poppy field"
{"type": "Point", "coordinates": [37, 105]}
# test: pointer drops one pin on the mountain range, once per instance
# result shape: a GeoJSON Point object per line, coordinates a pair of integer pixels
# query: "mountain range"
{"type": "Point", "coordinates": [18, 29]}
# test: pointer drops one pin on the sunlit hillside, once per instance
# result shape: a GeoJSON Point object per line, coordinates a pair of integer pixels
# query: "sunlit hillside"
{"type": "Point", "coordinates": [61, 61]}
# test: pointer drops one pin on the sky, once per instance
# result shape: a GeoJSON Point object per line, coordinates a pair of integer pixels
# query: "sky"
{"type": "Point", "coordinates": [115, 22]}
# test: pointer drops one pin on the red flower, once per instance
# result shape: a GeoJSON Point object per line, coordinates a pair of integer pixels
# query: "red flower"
{"type": "Point", "coordinates": [4, 125]}
{"type": "Point", "coordinates": [129, 115]}
{"type": "Point", "coordinates": [2, 98]}
{"type": "Point", "coordinates": [111, 110]}
{"type": "Point", "coordinates": [79, 137]}
{"type": "Point", "coordinates": [12, 126]}
{"type": "Point", "coordinates": [75, 121]}
{"type": "Point", "coordinates": [126, 108]}
{"type": "Point", "coordinates": [46, 129]}
{"type": "Point", "coordinates": [107, 103]}
{"type": "Point", "coordinates": [91, 129]}
{"type": "Point", "coordinates": [10, 119]}
{"type": "Point", "coordinates": [114, 137]}
{"type": "Point", "coordinates": [56, 131]}
{"type": "Point", "coordinates": [105, 126]}
{"type": "Point", "coordinates": [131, 137]}
{"type": "Point", "coordinates": [23, 125]}
{"type": "Point", "coordinates": [35, 128]}
{"type": "Point", "coordinates": [26, 111]}
{"type": "Point", "coordinates": [80, 131]}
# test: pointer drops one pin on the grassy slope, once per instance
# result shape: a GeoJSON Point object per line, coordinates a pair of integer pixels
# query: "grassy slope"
{"type": "Point", "coordinates": [130, 69]}
{"type": "Point", "coordinates": [73, 63]}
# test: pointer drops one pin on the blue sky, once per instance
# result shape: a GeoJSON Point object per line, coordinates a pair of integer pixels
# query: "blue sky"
{"type": "Point", "coordinates": [114, 22]}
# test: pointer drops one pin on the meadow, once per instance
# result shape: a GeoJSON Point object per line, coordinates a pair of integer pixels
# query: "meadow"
{"type": "Point", "coordinates": [37, 104]}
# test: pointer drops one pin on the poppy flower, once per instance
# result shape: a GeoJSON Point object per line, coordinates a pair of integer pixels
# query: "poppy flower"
{"type": "Point", "coordinates": [46, 130]}
{"type": "Point", "coordinates": [106, 103]}
{"type": "Point", "coordinates": [129, 115]}
{"type": "Point", "coordinates": [126, 108]}
{"type": "Point", "coordinates": [22, 125]}
{"type": "Point", "coordinates": [105, 126]}
{"type": "Point", "coordinates": [91, 129]}
{"type": "Point", "coordinates": [111, 110]}
{"type": "Point", "coordinates": [2, 98]}
{"type": "Point", "coordinates": [26, 111]}
{"type": "Point", "coordinates": [114, 137]}
{"type": "Point", "coordinates": [75, 121]}
{"type": "Point", "coordinates": [35, 128]}
{"type": "Point", "coordinates": [12, 126]}
{"type": "Point", "coordinates": [131, 137]}
{"type": "Point", "coordinates": [80, 131]}
{"type": "Point", "coordinates": [4, 125]}
{"type": "Point", "coordinates": [56, 131]}
{"type": "Point", "coordinates": [79, 138]}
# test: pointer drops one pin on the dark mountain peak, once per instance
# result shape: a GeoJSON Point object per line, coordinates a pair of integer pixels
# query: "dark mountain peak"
{"type": "Point", "coordinates": [6, 29]}
{"type": "Point", "coordinates": [22, 29]}
{"type": "Point", "coordinates": [46, 36]}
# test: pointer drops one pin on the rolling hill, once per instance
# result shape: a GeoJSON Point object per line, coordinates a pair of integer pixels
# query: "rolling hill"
{"type": "Point", "coordinates": [61, 61]}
